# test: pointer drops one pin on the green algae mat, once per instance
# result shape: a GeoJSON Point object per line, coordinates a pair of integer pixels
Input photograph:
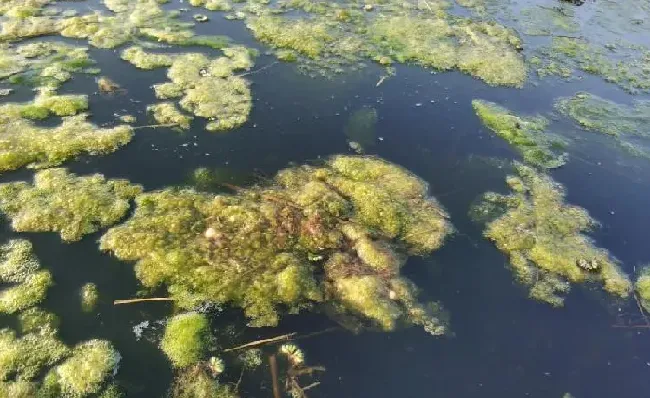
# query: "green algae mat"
{"type": "Point", "coordinates": [303, 198]}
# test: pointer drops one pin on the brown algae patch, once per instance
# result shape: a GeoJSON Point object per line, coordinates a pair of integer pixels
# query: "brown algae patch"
{"type": "Point", "coordinates": [624, 123]}
{"type": "Point", "coordinates": [337, 234]}
{"type": "Point", "coordinates": [527, 134]}
{"type": "Point", "coordinates": [196, 78]}
{"type": "Point", "coordinates": [544, 239]}
{"type": "Point", "coordinates": [60, 201]}
{"type": "Point", "coordinates": [24, 284]}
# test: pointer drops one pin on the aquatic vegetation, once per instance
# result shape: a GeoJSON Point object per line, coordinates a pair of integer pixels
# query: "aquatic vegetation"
{"type": "Point", "coordinates": [216, 366]}
{"type": "Point", "coordinates": [60, 201]}
{"type": "Point", "coordinates": [27, 293]}
{"type": "Point", "coordinates": [361, 128]}
{"type": "Point", "coordinates": [89, 297]}
{"type": "Point", "coordinates": [24, 144]}
{"type": "Point", "coordinates": [624, 123]}
{"type": "Point", "coordinates": [17, 260]}
{"type": "Point", "coordinates": [45, 104]}
{"type": "Point", "coordinates": [38, 321]}
{"type": "Point", "coordinates": [293, 353]}
{"type": "Point", "coordinates": [526, 134]}
{"type": "Point", "coordinates": [250, 359]}
{"type": "Point", "coordinates": [306, 37]}
{"type": "Point", "coordinates": [195, 382]}
{"type": "Point", "coordinates": [146, 60]}
{"type": "Point", "coordinates": [107, 86]}
{"type": "Point", "coordinates": [168, 114]}
{"type": "Point", "coordinates": [642, 287]}
{"type": "Point", "coordinates": [86, 371]}
{"type": "Point", "coordinates": [196, 78]}
{"type": "Point", "coordinates": [317, 234]}
{"type": "Point", "coordinates": [186, 339]}
{"type": "Point", "coordinates": [545, 241]}
{"type": "Point", "coordinates": [627, 67]}
{"type": "Point", "coordinates": [26, 356]}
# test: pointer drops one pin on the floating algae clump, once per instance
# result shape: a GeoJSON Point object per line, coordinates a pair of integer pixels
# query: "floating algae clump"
{"type": "Point", "coordinates": [315, 235]}
{"type": "Point", "coordinates": [89, 296]}
{"type": "Point", "coordinates": [544, 239]}
{"type": "Point", "coordinates": [24, 144]}
{"type": "Point", "coordinates": [186, 339]}
{"type": "Point", "coordinates": [526, 134]}
{"type": "Point", "coordinates": [196, 78]}
{"type": "Point", "coordinates": [21, 270]}
{"type": "Point", "coordinates": [62, 202]}
{"type": "Point", "coordinates": [642, 287]}
{"type": "Point", "coordinates": [625, 123]}
{"type": "Point", "coordinates": [168, 114]}
{"type": "Point", "coordinates": [146, 60]}
{"type": "Point", "coordinates": [195, 382]}
{"type": "Point", "coordinates": [26, 356]}
{"type": "Point", "coordinates": [91, 364]}
{"type": "Point", "coordinates": [306, 37]}
{"type": "Point", "coordinates": [37, 320]}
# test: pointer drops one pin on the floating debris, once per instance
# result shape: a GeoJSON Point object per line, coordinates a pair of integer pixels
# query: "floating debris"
{"type": "Point", "coordinates": [201, 18]}
{"type": "Point", "coordinates": [527, 135]}
{"type": "Point", "coordinates": [361, 129]}
{"type": "Point", "coordinates": [252, 249]}
{"type": "Point", "coordinates": [107, 86]}
{"type": "Point", "coordinates": [543, 238]}
{"type": "Point", "coordinates": [61, 202]}
{"type": "Point", "coordinates": [89, 295]}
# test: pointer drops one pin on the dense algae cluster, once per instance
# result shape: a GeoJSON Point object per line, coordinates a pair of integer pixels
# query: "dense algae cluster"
{"type": "Point", "coordinates": [333, 35]}
{"type": "Point", "coordinates": [34, 362]}
{"type": "Point", "coordinates": [62, 202]}
{"type": "Point", "coordinates": [544, 238]}
{"type": "Point", "coordinates": [526, 134]}
{"type": "Point", "coordinates": [336, 234]}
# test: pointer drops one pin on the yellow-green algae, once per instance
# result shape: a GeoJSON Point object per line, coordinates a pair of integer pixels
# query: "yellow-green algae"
{"type": "Point", "coordinates": [20, 270]}
{"type": "Point", "coordinates": [333, 35]}
{"type": "Point", "coordinates": [186, 339]}
{"type": "Point", "coordinates": [318, 234]}
{"type": "Point", "coordinates": [545, 241]}
{"type": "Point", "coordinates": [526, 134]}
{"type": "Point", "coordinates": [86, 370]}
{"type": "Point", "coordinates": [642, 287]}
{"type": "Point", "coordinates": [43, 63]}
{"type": "Point", "coordinates": [24, 357]}
{"type": "Point", "coordinates": [623, 65]}
{"type": "Point", "coordinates": [89, 295]}
{"type": "Point", "coordinates": [168, 114]}
{"type": "Point", "coordinates": [23, 143]}
{"type": "Point", "coordinates": [46, 103]}
{"type": "Point", "coordinates": [60, 201]}
{"type": "Point", "coordinates": [37, 320]}
{"type": "Point", "coordinates": [209, 87]}
{"type": "Point", "coordinates": [146, 60]}
{"type": "Point", "coordinates": [195, 382]}
{"type": "Point", "coordinates": [624, 123]}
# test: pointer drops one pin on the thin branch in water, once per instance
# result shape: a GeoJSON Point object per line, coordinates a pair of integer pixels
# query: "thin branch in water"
{"type": "Point", "coordinates": [155, 126]}
{"type": "Point", "coordinates": [258, 343]}
{"type": "Point", "coordinates": [631, 326]}
{"type": "Point", "coordinates": [312, 385]}
{"type": "Point", "coordinates": [638, 304]}
{"type": "Point", "coordinates": [274, 376]}
{"type": "Point", "coordinates": [257, 70]}
{"type": "Point", "coordinates": [131, 301]}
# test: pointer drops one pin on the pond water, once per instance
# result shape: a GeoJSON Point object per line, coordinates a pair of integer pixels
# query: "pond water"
{"type": "Point", "coordinates": [502, 343]}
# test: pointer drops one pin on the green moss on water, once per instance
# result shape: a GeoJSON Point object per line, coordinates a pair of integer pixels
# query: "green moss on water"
{"type": "Point", "coordinates": [167, 113]}
{"type": "Point", "coordinates": [17, 260]}
{"type": "Point", "coordinates": [545, 241]}
{"type": "Point", "coordinates": [64, 203]}
{"type": "Point", "coordinates": [288, 244]}
{"type": "Point", "coordinates": [38, 321]}
{"type": "Point", "coordinates": [304, 36]}
{"type": "Point", "coordinates": [186, 339]}
{"type": "Point", "coordinates": [526, 134]}
{"type": "Point", "coordinates": [146, 60]}
{"type": "Point", "coordinates": [31, 291]}
{"type": "Point", "coordinates": [91, 364]}
{"type": "Point", "coordinates": [196, 382]}
{"type": "Point", "coordinates": [196, 78]}
{"type": "Point", "coordinates": [25, 144]}
{"type": "Point", "coordinates": [89, 295]}
{"type": "Point", "coordinates": [642, 287]}
{"type": "Point", "coordinates": [628, 125]}
{"type": "Point", "coordinates": [26, 356]}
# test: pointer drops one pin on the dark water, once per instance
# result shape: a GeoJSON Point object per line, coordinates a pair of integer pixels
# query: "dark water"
{"type": "Point", "coordinates": [504, 344]}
